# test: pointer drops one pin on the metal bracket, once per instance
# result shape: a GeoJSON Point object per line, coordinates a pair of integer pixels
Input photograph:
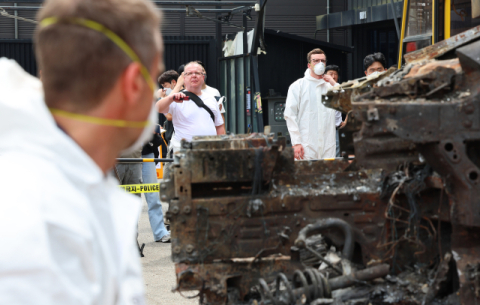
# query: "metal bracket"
{"type": "Point", "coordinates": [372, 114]}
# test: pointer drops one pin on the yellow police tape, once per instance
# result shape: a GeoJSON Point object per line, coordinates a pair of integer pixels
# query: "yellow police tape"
{"type": "Point", "coordinates": [141, 188]}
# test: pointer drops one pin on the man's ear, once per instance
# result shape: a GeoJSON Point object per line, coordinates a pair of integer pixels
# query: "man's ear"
{"type": "Point", "coordinates": [132, 83]}
{"type": "Point", "coordinates": [365, 72]}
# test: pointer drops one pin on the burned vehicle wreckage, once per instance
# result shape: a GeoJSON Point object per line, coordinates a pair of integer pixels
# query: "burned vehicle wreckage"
{"type": "Point", "coordinates": [400, 224]}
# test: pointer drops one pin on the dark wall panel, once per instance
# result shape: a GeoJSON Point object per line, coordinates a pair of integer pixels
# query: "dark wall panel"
{"type": "Point", "coordinates": [371, 38]}
{"type": "Point", "coordinates": [182, 49]}
{"type": "Point", "coordinates": [290, 16]}
{"type": "Point", "coordinates": [22, 52]}
{"type": "Point", "coordinates": [171, 24]}
{"type": "Point", "coordinates": [178, 50]}
{"type": "Point", "coordinates": [286, 61]}
{"type": "Point", "coordinates": [26, 29]}
{"type": "Point", "coordinates": [7, 28]}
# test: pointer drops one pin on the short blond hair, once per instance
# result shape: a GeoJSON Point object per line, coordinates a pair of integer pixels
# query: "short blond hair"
{"type": "Point", "coordinates": [79, 65]}
{"type": "Point", "coordinates": [314, 51]}
{"type": "Point", "coordinates": [193, 63]}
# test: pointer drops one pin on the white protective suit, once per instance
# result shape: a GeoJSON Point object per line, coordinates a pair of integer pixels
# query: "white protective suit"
{"type": "Point", "coordinates": [68, 231]}
{"type": "Point", "coordinates": [309, 122]}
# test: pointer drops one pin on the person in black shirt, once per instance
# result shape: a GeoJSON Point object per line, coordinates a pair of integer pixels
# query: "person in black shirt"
{"type": "Point", "coordinates": [168, 80]}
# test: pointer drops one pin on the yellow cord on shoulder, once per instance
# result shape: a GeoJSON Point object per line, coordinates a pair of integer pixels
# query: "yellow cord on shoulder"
{"type": "Point", "coordinates": [110, 35]}
{"type": "Point", "coordinates": [98, 121]}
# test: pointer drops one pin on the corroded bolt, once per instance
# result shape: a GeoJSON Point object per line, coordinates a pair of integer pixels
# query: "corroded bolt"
{"type": "Point", "coordinates": [164, 197]}
{"type": "Point", "coordinates": [177, 250]}
{"type": "Point", "coordinates": [175, 210]}
{"type": "Point", "coordinates": [189, 248]}
{"type": "Point", "coordinates": [467, 124]}
{"type": "Point", "coordinates": [187, 209]}
{"type": "Point", "coordinates": [163, 186]}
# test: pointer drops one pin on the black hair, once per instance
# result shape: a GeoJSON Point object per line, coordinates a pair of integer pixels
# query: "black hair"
{"type": "Point", "coordinates": [332, 67]}
{"type": "Point", "coordinates": [181, 69]}
{"type": "Point", "coordinates": [370, 59]}
{"type": "Point", "coordinates": [168, 76]}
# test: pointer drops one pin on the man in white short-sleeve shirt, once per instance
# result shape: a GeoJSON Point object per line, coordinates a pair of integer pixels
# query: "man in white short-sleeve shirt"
{"type": "Point", "coordinates": [189, 119]}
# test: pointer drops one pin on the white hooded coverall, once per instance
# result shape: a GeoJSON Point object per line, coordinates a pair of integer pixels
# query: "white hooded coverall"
{"type": "Point", "coordinates": [67, 230]}
{"type": "Point", "coordinates": [309, 122]}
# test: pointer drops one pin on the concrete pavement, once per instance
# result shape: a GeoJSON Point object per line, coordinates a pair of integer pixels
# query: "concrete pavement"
{"type": "Point", "coordinates": [158, 268]}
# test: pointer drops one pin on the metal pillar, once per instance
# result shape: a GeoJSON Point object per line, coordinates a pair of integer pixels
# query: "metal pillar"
{"type": "Point", "coordinates": [328, 24]}
{"type": "Point", "coordinates": [395, 18]}
{"type": "Point", "coordinates": [16, 22]}
{"type": "Point", "coordinates": [245, 68]}
{"type": "Point", "coordinates": [182, 24]}
{"type": "Point", "coordinates": [219, 40]}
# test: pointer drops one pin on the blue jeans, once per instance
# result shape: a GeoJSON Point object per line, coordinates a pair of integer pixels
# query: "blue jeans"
{"type": "Point", "coordinates": [155, 213]}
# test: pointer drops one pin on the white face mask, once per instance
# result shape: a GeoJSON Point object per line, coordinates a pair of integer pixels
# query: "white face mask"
{"type": "Point", "coordinates": [319, 68]}
{"type": "Point", "coordinates": [168, 91]}
{"type": "Point", "coordinates": [146, 135]}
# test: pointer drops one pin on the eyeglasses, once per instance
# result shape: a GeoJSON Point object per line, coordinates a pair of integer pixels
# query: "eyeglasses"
{"type": "Point", "coordinates": [316, 61]}
{"type": "Point", "coordinates": [194, 73]}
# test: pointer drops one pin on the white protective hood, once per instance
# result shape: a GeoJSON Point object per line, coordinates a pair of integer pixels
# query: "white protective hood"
{"type": "Point", "coordinates": [67, 231]}
{"type": "Point", "coordinates": [309, 122]}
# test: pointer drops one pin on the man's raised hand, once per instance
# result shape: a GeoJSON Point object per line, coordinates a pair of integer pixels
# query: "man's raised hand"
{"type": "Point", "coordinates": [329, 79]}
{"type": "Point", "coordinates": [179, 97]}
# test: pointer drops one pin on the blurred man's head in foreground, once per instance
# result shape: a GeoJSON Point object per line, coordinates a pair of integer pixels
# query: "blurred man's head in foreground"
{"type": "Point", "coordinates": [100, 58]}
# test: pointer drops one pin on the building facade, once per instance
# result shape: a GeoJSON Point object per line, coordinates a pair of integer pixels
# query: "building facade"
{"type": "Point", "coordinates": [296, 17]}
{"type": "Point", "coordinates": [369, 27]}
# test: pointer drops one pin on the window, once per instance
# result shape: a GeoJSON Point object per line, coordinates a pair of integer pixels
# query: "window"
{"type": "Point", "coordinates": [463, 16]}
{"type": "Point", "coordinates": [419, 18]}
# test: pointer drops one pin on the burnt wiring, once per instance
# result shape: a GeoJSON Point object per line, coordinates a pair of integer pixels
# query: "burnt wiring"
{"type": "Point", "coordinates": [411, 186]}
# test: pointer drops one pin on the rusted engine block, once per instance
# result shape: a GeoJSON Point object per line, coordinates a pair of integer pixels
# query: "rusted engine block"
{"type": "Point", "coordinates": [240, 206]}
{"type": "Point", "coordinates": [237, 205]}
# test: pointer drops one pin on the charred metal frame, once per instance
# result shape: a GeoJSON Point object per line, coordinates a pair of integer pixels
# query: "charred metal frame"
{"type": "Point", "coordinates": [236, 201]}
{"type": "Point", "coordinates": [242, 208]}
